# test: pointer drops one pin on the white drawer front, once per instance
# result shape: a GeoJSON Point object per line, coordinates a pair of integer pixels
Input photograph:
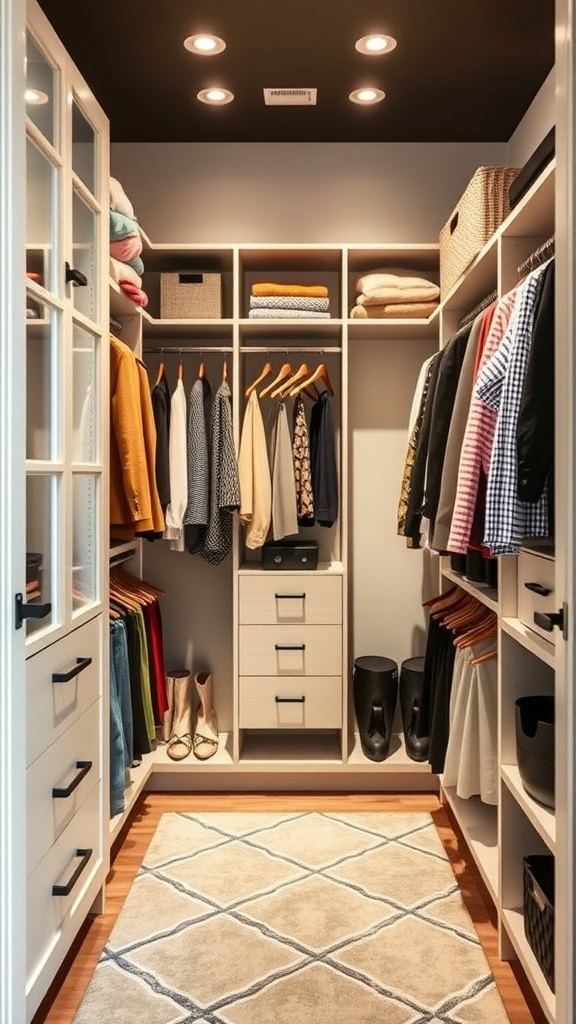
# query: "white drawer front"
{"type": "Point", "coordinates": [306, 703]}
{"type": "Point", "coordinates": [305, 598]}
{"type": "Point", "coordinates": [49, 915]}
{"type": "Point", "coordinates": [54, 706]}
{"type": "Point", "coordinates": [75, 756]}
{"type": "Point", "coordinates": [536, 583]}
{"type": "Point", "coordinates": [290, 650]}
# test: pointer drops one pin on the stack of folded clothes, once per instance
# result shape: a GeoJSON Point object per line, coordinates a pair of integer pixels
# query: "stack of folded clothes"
{"type": "Point", "coordinates": [395, 294]}
{"type": "Point", "coordinates": [126, 266]}
{"type": "Point", "coordinates": [269, 299]}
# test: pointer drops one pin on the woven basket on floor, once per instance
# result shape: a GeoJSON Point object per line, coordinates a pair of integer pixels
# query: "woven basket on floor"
{"type": "Point", "coordinates": [482, 207]}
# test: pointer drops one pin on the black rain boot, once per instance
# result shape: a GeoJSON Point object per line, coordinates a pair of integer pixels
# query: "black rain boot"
{"type": "Point", "coordinates": [375, 694]}
{"type": "Point", "coordinates": [411, 684]}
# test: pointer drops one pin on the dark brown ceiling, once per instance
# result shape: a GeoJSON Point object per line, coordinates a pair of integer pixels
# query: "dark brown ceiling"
{"type": "Point", "coordinates": [463, 70]}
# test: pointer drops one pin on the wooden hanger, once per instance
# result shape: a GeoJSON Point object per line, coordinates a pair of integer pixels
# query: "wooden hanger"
{"type": "Point", "coordinates": [201, 370]}
{"type": "Point", "coordinates": [284, 372]}
{"type": "Point", "coordinates": [225, 371]}
{"type": "Point", "coordinates": [161, 373]}
{"type": "Point", "coordinates": [266, 369]}
{"type": "Point", "coordinates": [180, 368]}
{"type": "Point", "coordinates": [320, 373]}
{"type": "Point", "coordinates": [284, 388]}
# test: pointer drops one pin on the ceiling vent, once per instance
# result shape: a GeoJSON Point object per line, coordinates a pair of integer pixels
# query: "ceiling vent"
{"type": "Point", "coordinates": [290, 97]}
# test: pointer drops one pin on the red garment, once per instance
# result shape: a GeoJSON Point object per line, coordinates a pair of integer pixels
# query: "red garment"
{"type": "Point", "coordinates": [156, 657]}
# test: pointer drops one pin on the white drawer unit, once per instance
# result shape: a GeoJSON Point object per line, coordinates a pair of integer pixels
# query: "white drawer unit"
{"type": "Point", "coordinates": [290, 650]}
{"type": "Point", "coordinates": [287, 598]}
{"type": "Point", "coordinates": [63, 681]}
{"type": "Point", "coordinates": [61, 890]}
{"type": "Point", "coordinates": [536, 597]}
{"type": "Point", "coordinates": [59, 780]}
{"type": "Point", "coordinates": [314, 702]}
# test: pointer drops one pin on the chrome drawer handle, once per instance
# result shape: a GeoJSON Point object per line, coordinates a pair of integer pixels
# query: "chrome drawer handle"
{"type": "Point", "coordinates": [59, 792]}
{"type": "Point", "coordinates": [65, 677]}
{"type": "Point", "coordinates": [290, 700]}
{"type": "Point", "coordinates": [290, 647]}
{"type": "Point", "coordinates": [538, 588]}
{"type": "Point", "coordinates": [292, 597]}
{"type": "Point", "coordinates": [65, 890]}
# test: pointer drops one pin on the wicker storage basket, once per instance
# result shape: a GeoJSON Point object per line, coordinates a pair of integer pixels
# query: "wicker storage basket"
{"type": "Point", "coordinates": [482, 207]}
{"type": "Point", "coordinates": [190, 296]}
{"type": "Point", "coordinates": [539, 911]}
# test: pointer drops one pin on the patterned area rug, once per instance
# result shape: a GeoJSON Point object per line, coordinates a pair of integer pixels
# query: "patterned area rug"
{"type": "Point", "coordinates": [301, 918]}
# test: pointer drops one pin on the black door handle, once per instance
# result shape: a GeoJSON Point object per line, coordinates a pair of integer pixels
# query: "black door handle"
{"type": "Point", "coordinates": [290, 647]}
{"type": "Point", "coordinates": [29, 611]}
{"type": "Point", "coordinates": [65, 677]}
{"type": "Point", "coordinates": [60, 792]}
{"type": "Point", "coordinates": [538, 588]}
{"type": "Point", "coordinates": [75, 277]}
{"type": "Point", "coordinates": [548, 621]}
{"type": "Point", "coordinates": [65, 890]}
{"type": "Point", "coordinates": [290, 700]}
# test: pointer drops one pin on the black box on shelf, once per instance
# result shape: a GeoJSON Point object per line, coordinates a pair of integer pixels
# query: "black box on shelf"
{"type": "Point", "coordinates": [539, 911]}
{"type": "Point", "coordinates": [535, 744]}
{"type": "Point", "coordinates": [290, 554]}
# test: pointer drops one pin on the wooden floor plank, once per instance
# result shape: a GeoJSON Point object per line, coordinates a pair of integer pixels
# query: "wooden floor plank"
{"type": "Point", "coordinates": [65, 995]}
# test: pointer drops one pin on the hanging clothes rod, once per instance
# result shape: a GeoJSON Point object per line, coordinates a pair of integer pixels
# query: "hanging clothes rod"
{"type": "Point", "coordinates": [539, 256]}
{"type": "Point", "coordinates": [478, 308]}
{"type": "Point", "coordinates": [280, 349]}
{"type": "Point", "coordinates": [184, 349]}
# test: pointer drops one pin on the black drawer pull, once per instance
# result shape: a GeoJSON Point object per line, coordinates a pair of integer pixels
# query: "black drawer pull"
{"type": "Point", "coordinates": [290, 700]}
{"type": "Point", "coordinates": [65, 890]}
{"type": "Point", "coordinates": [84, 767]}
{"type": "Point", "coordinates": [538, 588]}
{"type": "Point", "coordinates": [65, 677]}
{"type": "Point", "coordinates": [75, 276]}
{"type": "Point", "coordinates": [30, 610]}
{"type": "Point", "coordinates": [290, 647]}
{"type": "Point", "coordinates": [292, 597]}
{"type": "Point", "coordinates": [548, 622]}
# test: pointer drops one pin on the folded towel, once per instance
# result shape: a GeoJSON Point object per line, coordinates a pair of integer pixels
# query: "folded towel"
{"type": "Point", "coordinates": [303, 314]}
{"type": "Point", "coordinates": [121, 226]}
{"type": "Point", "coordinates": [125, 249]}
{"type": "Point", "coordinates": [318, 291]}
{"type": "Point", "coordinates": [123, 272]}
{"type": "Point", "coordinates": [389, 293]}
{"type": "Point", "coordinates": [119, 200]}
{"type": "Point", "coordinates": [394, 311]}
{"type": "Point", "coordinates": [134, 293]}
{"type": "Point", "coordinates": [289, 302]}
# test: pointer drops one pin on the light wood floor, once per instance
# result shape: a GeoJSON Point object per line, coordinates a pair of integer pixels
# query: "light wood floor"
{"type": "Point", "coordinates": [63, 1000]}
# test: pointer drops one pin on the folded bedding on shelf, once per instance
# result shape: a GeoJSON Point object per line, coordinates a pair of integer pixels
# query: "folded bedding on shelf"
{"type": "Point", "coordinates": [315, 305]}
{"type": "Point", "coordinates": [396, 286]}
{"type": "Point", "coordinates": [269, 312]}
{"type": "Point", "coordinates": [121, 226]}
{"type": "Point", "coordinates": [134, 293]}
{"type": "Point", "coordinates": [125, 249]}
{"type": "Point", "coordinates": [394, 311]}
{"type": "Point", "coordinates": [119, 200]}
{"type": "Point", "coordinates": [318, 291]}
{"type": "Point", "coordinates": [120, 272]}
{"type": "Point", "coordinates": [136, 264]}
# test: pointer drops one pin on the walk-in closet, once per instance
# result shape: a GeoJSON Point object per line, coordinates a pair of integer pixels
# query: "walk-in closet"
{"type": "Point", "coordinates": [286, 496]}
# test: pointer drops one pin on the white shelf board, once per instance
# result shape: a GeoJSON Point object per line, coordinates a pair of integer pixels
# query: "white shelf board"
{"type": "Point", "coordinates": [138, 779]}
{"type": "Point", "coordinates": [324, 569]}
{"type": "Point", "coordinates": [532, 641]}
{"type": "Point", "coordinates": [542, 818]}
{"type": "Point", "coordinates": [391, 330]}
{"type": "Point", "coordinates": [221, 759]}
{"type": "Point", "coordinates": [483, 593]}
{"type": "Point", "coordinates": [123, 548]}
{"type": "Point", "coordinates": [396, 762]}
{"type": "Point", "coordinates": [296, 751]}
{"type": "Point", "coordinates": [216, 331]}
{"type": "Point", "coordinates": [513, 922]}
{"type": "Point", "coordinates": [479, 825]}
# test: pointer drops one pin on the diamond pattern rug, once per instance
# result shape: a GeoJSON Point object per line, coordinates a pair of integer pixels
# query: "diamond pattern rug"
{"type": "Point", "coordinates": [302, 918]}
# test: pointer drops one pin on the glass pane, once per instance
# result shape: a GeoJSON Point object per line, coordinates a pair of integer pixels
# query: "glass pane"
{"type": "Point", "coordinates": [41, 90]}
{"type": "Point", "coordinates": [40, 217]}
{"type": "Point", "coordinates": [84, 531]}
{"type": "Point", "coordinates": [83, 147]}
{"type": "Point", "coordinates": [41, 403]}
{"type": "Point", "coordinates": [40, 501]}
{"type": "Point", "coordinates": [84, 256]}
{"type": "Point", "coordinates": [84, 397]}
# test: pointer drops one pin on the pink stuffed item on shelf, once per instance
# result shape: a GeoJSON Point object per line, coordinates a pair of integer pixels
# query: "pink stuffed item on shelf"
{"type": "Point", "coordinates": [125, 249]}
{"type": "Point", "coordinates": [134, 293]}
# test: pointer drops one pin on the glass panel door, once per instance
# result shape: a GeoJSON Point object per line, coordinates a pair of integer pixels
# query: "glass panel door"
{"type": "Point", "coordinates": [84, 257]}
{"type": "Point", "coordinates": [41, 214]}
{"type": "Point", "coordinates": [41, 346]}
{"type": "Point", "coordinates": [85, 530]}
{"type": "Point", "coordinates": [84, 396]}
{"type": "Point", "coordinates": [41, 94]}
{"type": "Point", "coordinates": [83, 147]}
{"type": "Point", "coordinates": [41, 558]}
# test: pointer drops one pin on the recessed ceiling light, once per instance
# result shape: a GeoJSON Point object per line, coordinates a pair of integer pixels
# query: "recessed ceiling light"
{"type": "Point", "coordinates": [367, 95]}
{"type": "Point", "coordinates": [376, 44]}
{"type": "Point", "coordinates": [216, 96]}
{"type": "Point", "coordinates": [205, 44]}
{"type": "Point", "coordinates": [35, 97]}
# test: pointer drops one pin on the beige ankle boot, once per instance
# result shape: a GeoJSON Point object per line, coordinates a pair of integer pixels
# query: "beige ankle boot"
{"type": "Point", "coordinates": [181, 686]}
{"type": "Point", "coordinates": [206, 732]}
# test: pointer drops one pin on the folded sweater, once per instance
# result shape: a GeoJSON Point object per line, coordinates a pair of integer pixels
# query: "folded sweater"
{"type": "Point", "coordinates": [305, 314]}
{"type": "Point", "coordinates": [270, 288]}
{"type": "Point", "coordinates": [289, 302]}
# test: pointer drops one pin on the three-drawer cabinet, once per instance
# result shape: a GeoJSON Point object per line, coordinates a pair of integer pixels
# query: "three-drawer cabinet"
{"type": "Point", "coordinates": [290, 651]}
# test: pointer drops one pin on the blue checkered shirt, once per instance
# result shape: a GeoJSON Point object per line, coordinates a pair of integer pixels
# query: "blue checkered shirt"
{"type": "Point", "coordinates": [500, 383]}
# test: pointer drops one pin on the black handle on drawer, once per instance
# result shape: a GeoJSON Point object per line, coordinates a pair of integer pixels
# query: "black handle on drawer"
{"type": "Point", "coordinates": [30, 611]}
{"type": "Point", "coordinates": [65, 890]}
{"type": "Point", "coordinates": [290, 647]}
{"type": "Point", "coordinates": [290, 700]}
{"type": "Point", "coordinates": [65, 677]}
{"type": "Point", "coordinates": [538, 588]}
{"type": "Point", "coordinates": [75, 276]}
{"type": "Point", "coordinates": [84, 767]}
{"type": "Point", "coordinates": [293, 597]}
{"type": "Point", "coordinates": [548, 621]}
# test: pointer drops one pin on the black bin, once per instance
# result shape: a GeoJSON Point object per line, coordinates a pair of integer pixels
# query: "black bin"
{"type": "Point", "coordinates": [538, 907]}
{"type": "Point", "coordinates": [535, 746]}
